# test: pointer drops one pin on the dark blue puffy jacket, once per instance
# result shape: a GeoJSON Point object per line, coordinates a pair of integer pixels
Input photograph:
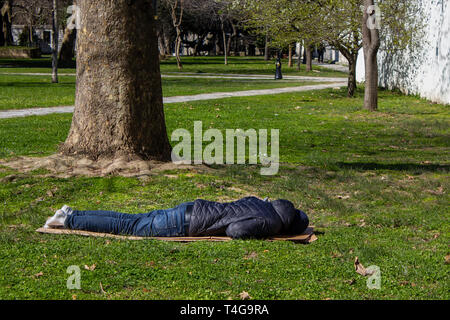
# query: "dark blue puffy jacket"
{"type": "Point", "coordinates": [246, 218]}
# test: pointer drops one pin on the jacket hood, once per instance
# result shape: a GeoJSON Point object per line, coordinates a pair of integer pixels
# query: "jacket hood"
{"type": "Point", "coordinates": [294, 221]}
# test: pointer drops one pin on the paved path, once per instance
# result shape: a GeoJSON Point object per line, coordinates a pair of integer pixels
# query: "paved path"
{"type": "Point", "coordinates": [335, 67]}
{"type": "Point", "coordinates": [177, 99]}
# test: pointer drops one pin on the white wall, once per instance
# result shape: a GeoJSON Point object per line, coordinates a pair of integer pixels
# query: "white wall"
{"type": "Point", "coordinates": [426, 71]}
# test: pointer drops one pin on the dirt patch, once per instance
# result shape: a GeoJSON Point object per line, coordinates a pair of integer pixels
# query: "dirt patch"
{"type": "Point", "coordinates": [63, 166]}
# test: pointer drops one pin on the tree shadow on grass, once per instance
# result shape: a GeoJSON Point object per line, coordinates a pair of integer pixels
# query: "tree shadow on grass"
{"type": "Point", "coordinates": [394, 166]}
{"type": "Point", "coordinates": [41, 84]}
{"type": "Point", "coordinates": [34, 63]}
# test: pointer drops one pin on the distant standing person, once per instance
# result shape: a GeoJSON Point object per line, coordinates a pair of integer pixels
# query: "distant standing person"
{"type": "Point", "coordinates": [321, 52]}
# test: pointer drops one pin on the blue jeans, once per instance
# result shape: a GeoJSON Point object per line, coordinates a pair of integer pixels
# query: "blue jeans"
{"type": "Point", "coordinates": [157, 223]}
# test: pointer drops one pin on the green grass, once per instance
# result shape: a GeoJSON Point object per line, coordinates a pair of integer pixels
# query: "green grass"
{"type": "Point", "coordinates": [22, 92]}
{"type": "Point", "coordinates": [375, 185]}
{"type": "Point", "coordinates": [236, 65]}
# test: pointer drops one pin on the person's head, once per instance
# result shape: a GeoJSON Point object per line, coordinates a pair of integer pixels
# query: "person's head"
{"type": "Point", "coordinates": [294, 220]}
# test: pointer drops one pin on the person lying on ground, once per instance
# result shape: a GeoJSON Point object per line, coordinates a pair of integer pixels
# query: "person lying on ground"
{"type": "Point", "coordinates": [248, 217]}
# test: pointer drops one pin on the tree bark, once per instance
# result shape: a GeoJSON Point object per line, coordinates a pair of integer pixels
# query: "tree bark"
{"type": "Point", "coordinates": [118, 104]}
{"type": "Point", "coordinates": [232, 36]}
{"type": "Point", "coordinates": [177, 49]}
{"type": "Point", "coordinates": [30, 34]}
{"type": "Point", "coordinates": [352, 58]}
{"type": "Point", "coordinates": [290, 56]}
{"type": "Point", "coordinates": [308, 58]}
{"type": "Point", "coordinates": [6, 24]}
{"type": "Point", "coordinates": [176, 21]}
{"type": "Point", "coordinates": [371, 44]}
{"type": "Point", "coordinates": [299, 61]}
{"type": "Point", "coordinates": [224, 36]}
{"type": "Point", "coordinates": [351, 86]}
{"type": "Point", "coordinates": [266, 49]}
{"type": "Point", "coordinates": [66, 53]}
{"type": "Point", "coordinates": [55, 30]}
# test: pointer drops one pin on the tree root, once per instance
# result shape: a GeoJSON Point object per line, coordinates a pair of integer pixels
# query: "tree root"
{"type": "Point", "coordinates": [63, 166]}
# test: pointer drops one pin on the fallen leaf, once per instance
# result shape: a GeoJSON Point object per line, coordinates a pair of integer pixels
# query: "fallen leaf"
{"type": "Point", "coordinates": [251, 255]}
{"type": "Point", "coordinates": [40, 274]}
{"type": "Point", "coordinates": [359, 268]}
{"type": "Point", "coordinates": [447, 259]}
{"type": "Point", "coordinates": [74, 297]}
{"type": "Point", "coordinates": [90, 268]}
{"type": "Point", "coordinates": [336, 255]}
{"type": "Point", "coordinates": [244, 295]}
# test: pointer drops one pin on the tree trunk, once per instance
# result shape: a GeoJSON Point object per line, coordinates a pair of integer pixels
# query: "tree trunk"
{"type": "Point", "coordinates": [233, 35]}
{"type": "Point", "coordinates": [371, 83]}
{"type": "Point", "coordinates": [30, 34]}
{"type": "Point", "coordinates": [216, 45]}
{"type": "Point", "coordinates": [176, 22]}
{"type": "Point", "coordinates": [266, 49]}
{"type": "Point", "coordinates": [2, 34]}
{"type": "Point", "coordinates": [118, 103]}
{"type": "Point", "coordinates": [177, 49]}
{"type": "Point", "coordinates": [161, 46]}
{"type": "Point", "coordinates": [224, 36]}
{"type": "Point", "coordinates": [290, 56]}
{"type": "Point", "coordinates": [299, 61]}
{"type": "Point", "coordinates": [351, 86]}
{"type": "Point", "coordinates": [66, 54]}
{"type": "Point", "coordinates": [55, 31]}
{"type": "Point", "coordinates": [371, 44]}
{"type": "Point", "coordinates": [6, 24]}
{"type": "Point", "coordinates": [308, 58]}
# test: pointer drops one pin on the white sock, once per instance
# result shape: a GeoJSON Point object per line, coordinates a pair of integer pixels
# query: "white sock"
{"type": "Point", "coordinates": [68, 210]}
{"type": "Point", "coordinates": [59, 218]}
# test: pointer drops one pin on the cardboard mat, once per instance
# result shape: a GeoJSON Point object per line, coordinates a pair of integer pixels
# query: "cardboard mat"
{"type": "Point", "coordinates": [306, 237]}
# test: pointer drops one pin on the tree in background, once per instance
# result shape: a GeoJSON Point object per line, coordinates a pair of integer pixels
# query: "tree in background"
{"type": "Point", "coordinates": [341, 28]}
{"type": "Point", "coordinates": [55, 31]}
{"type": "Point", "coordinates": [33, 12]}
{"type": "Point", "coordinates": [391, 25]}
{"type": "Point", "coordinates": [176, 13]}
{"type": "Point", "coordinates": [208, 26]}
{"type": "Point", "coordinates": [118, 102]}
{"type": "Point", "coordinates": [6, 23]}
{"type": "Point", "coordinates": [338, 22]}
{"type": "Point", "coordinates": [287, 21]}
{"type": "Point", "coordinates": [66, 54]}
